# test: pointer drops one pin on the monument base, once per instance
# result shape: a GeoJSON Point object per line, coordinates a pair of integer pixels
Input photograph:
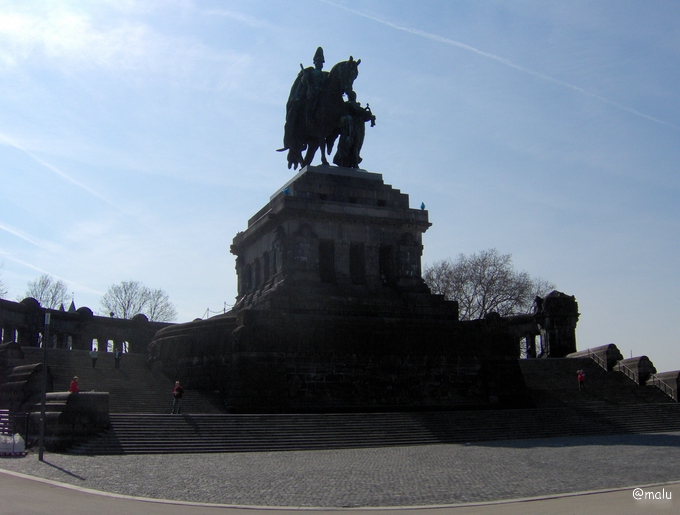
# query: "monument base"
{"type": "Point", "coordinates": [273, 361]}
{"type": "Point", "coordinates": [332, 313]}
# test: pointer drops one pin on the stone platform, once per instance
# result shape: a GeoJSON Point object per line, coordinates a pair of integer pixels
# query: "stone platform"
{"type": "Point", "coordinates": [333, 314]}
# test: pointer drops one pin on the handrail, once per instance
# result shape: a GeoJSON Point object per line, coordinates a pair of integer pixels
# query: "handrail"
{"type": "Point", "coordinates": [599, 360]}
{"type": "Point", "coordinates": [5, 422]}
{"type": "Point", "coordinates": [12, 423]}
{"type": "Point", "coordinates": [664, 387]}
{"type": "Point", "coordinates": [628, 372]}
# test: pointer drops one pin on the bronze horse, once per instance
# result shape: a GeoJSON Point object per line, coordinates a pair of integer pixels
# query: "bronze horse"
{"type": "Point", "coordinates": [314, 123]}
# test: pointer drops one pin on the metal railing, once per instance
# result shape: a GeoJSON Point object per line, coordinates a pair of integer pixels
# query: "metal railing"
{"type": "Point", "coordinates": [598, 359]}
{"type": "Point", "coordinates": [631, 374]}
{"type": "Point", "coordinates": [12, 423]}
{"type": "Point", "coordinates": [655, 381]}
{"type": "Point", "coordinates": [664, 387]}
{"type": "Point", "coordinates": [628, 372]}
{"type": "Point", "coordinates": [5, 422]}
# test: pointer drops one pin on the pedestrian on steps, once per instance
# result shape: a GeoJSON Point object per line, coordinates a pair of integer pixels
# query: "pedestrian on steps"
{"type": "Point", "coordinates": [117, 357]}
{"type": "Point", "coordinates": [74, 386]}
{"type": "Point", "coordinates": [581, 377]}
{"type": "Point", "coordinates": [177, 393]}
{"type": "Point", "coordinates": [94, 356]}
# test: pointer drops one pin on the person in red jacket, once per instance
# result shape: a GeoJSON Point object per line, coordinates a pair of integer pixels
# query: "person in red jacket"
{"type": "Point", "coordinates": [177, 393]}
{"type": "Point", "coordinates": [74, 386]}
{"type": "Point", "coordinates": [581, 377]}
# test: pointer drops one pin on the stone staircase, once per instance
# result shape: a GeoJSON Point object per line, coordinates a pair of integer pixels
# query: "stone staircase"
{"type": "Point", "coordinates": [612, 404]}
{"type": "Point", "coordinates": [155, 434]}
{"type": "Point", "coordinates": [132, 389]}
{"type": "Point", "coordinates": [140, 400]}
{"type": "Point", "coordinates": [552, 382]}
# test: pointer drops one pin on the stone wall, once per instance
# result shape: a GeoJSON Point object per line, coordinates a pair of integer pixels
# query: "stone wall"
{"type": "Point", "coordinates": [267, 361]}
{"type": "Point", "coordinates": [70, 418]}
{"type": "Point", "coordinates": [20, 384]}
{"type": "Point", "coordinates": [25, 322]}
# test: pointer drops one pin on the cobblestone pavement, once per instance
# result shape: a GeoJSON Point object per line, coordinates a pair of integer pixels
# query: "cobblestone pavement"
{"type": "Point", "coordinates": [394, 476]}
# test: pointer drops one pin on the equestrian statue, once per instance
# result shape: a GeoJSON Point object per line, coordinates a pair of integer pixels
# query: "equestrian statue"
{"type": "Point", "coordinates": [317, 114]}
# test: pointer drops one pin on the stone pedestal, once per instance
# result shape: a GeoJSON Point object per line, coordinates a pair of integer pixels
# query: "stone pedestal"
{"type": "Point", "coordinates": [336, 240]}
{"type": "Point", "coordinates": [332, 312]}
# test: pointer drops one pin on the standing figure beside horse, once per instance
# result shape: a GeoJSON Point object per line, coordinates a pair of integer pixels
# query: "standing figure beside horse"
{"type": "Point", "coordinates": [317, 113]}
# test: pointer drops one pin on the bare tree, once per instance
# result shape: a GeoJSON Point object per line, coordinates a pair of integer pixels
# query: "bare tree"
{"type": "Point", "coordinates": [160, 308]}
{"type": "Point", "coordinates": [130, 298]}
{"type": "Point", "coordinates": [50, 293]}
{"type": "Point", "coordinates": [484, 283]}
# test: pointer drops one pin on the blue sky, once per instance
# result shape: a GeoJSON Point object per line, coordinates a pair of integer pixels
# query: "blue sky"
{"type": "Point", "coordinates": [137, 138]}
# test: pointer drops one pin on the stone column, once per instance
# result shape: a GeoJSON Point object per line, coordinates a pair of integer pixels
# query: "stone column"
{"type": "Point", "coordinates": [8, 333]}
{"type": "Point", "coordinates": [531, 345]}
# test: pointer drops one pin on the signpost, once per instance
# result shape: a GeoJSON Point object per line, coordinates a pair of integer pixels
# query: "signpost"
{"type": "Point", "coordinates": [45, 343]}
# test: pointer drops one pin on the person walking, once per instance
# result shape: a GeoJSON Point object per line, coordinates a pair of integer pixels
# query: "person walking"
{"type": "Point", "coordinates": [94, 356]}
{"type": "Point", "coordinates": [177, 393]}
{"type": "Point", "coordinates": [74, 386]}
{"type": "Point", "coordinates": [581, 377]}
{"type": "Point", "coordinates": [117, 357]}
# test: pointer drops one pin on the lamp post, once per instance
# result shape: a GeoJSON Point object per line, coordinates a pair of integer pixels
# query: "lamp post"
{"type": "Point", "coordinates": [45, 341]}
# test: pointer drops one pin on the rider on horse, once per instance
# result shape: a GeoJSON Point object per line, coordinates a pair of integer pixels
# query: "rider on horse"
{"type": "Point", "coordinates": [303, 99]}
{"type": "Point", "coordinates": [316, 113]}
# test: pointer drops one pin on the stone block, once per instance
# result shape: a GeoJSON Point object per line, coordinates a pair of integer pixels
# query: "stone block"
{"type": "Point", "coordinates": [638, 369]}
{"type": "Point", "coordinates": [610, 355]}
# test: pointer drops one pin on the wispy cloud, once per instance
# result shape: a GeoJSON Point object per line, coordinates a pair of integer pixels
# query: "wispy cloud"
{"type": "Point", "coordinates": [502, 60]}
{"type": "Point", "coordinates": [74, 286]}
{"type": "Point", "coordinates": [244, 19]}
{"type": "Point", "coordinates": [13, 143]}
{"type": "Point", "coordinates": [10, 257]}
{"type": "Point", "coordinates": [68, 40]}
{"type": "Point", "coordinates": [27, 238]}
{"type": "Point", "coordinates": [61, 35]}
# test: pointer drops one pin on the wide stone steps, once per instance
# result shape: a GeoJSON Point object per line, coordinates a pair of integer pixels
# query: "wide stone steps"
{"type": "Point", "coordinates": [552, 382]}
{"type": "Point", "coordinates": [149, 434]}
{"type": "Point", "coordinates": [132, 389]}
{"type": "Point", "coordinates": [140, 402]}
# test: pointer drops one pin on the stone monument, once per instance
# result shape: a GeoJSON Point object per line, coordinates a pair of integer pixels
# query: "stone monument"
{"type": "Point", "coordinates": [332, 312]}
{"type": "Point", "coordinates": [317, 114]}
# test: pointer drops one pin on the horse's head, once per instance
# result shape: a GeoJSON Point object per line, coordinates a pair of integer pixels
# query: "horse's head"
{"type": "Point", "coordinates": [346, 72]}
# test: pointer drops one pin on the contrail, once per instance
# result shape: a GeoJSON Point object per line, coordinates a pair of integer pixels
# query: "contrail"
{"type": "Point", "coordinates": [56, 170]}
{"type": "Point", "coordinates": [502, 60]}
{"type": "Point", "coordinates": [24, 263]}
{"type": "Point", "coordinates": [21, 235]}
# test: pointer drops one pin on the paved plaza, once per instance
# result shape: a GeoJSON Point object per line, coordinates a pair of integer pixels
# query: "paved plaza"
{"type": "Point", "coordinates": [432, 475]}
